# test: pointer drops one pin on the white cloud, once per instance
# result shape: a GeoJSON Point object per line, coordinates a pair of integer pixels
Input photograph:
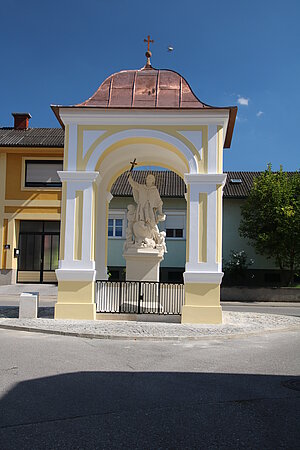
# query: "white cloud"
{"type": "Point", "coordinates": [259, 113]}
{"type": "Point", "coordinates": [243, 100]}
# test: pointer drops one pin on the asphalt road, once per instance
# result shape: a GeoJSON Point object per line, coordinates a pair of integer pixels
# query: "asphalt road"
{"type": "Point", "coordinates": [290, 309]}
{"type": "Point", "coordinates": [74, 393]}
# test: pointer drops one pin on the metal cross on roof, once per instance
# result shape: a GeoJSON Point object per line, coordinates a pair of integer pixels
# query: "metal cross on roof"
{"type": "Point", "coordinates": [148, 40]}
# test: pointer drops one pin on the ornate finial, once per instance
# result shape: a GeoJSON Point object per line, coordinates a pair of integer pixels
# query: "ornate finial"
{"type": "Point", "coordinates": [148, 53]}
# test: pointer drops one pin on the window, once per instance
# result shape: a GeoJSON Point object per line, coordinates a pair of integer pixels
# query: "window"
{"type": "Point", "coordinates": [40, 173]}
{"type": "Point", "coordinates": [115, 227]}
{"type": "Point", "coordinates": [175, 225]}
{"type": "Point", "coordinates": [174, 232]}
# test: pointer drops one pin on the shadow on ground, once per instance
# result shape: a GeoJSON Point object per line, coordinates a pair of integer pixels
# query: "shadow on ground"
{"type": "Point", "coordinates": [146, 410]}
{"type": "Point", "coordinates": [12, 312]}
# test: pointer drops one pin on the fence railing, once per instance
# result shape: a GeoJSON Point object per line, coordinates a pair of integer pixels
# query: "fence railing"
{"type": "Point", "coordinates": [139, 297]}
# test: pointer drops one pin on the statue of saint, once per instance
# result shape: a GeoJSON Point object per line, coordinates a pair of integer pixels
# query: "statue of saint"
{"type": "Point", "coordinates": [149, 203]}
{"type": "Point", "coordinates": [142, 229]}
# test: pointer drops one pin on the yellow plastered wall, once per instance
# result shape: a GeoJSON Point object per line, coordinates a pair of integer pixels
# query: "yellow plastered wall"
{"type": "Point", "coordinates": [14, 188]}
{"type": "Point", "coordinates": [169, 130]}
{"type": "Point", "coordinates": [76, 300]}
{"type": "Point", "coordinates": [203, 227]}
{"type": "Point", "coordinates": [93, 240]}
{"type": "Point", "coordinates": [66, 147]}
{"type": "Point", "coordinates": [220, 150]}
{"type": "Point", "coordinates": [106, 230]}
{"type": "Point", "coordinates": [39, 211]}
{"type": "Point", "coordinates": [18, 202]}
{"type": "Point", "coordinates": [12, 240]}
{"type": "Point", "coordinates": [2, 200]}
{"type": "Point", "coordinates": [188, 194]}
{"type": "Point", "coordinates": [78, 224]}
{"type": "Point", "coordinates": [219, 223]}
{"type": "Point", "coordinates": [202, 303]}
{"type": "Point", "coordinates": [4, 252]}
{"type": "Point", "coordinates": [202, 294]}
{"type": "Point", "coordinates": [63, 221]}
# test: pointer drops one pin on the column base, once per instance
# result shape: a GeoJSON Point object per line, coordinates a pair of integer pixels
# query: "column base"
{"type": "Point", "coordinates": [201, 314]}
{"type": "Point", "coordinates": [75, 311]}
{"type": "Point", "coordinates": [202, 303]}
{"type": "Point", "coordinates": [76, 300]}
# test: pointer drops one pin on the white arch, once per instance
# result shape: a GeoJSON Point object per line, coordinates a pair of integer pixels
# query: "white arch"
{"type": "Point", "coordinates": [106, 143]}
{"type": "Point", "coordinates": [112, 166]}
{"type": "Point", "coordinates": [119, 159]}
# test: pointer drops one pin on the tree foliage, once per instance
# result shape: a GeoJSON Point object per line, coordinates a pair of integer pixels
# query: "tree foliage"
{"type": "Point", "coordinates": [271, 218]}
{"type": "Point", "coordinates": [235, 268]}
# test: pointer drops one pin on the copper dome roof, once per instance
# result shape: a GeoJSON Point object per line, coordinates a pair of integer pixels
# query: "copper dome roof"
{"type": "Point", "coordinates": [144, 88]}
{"type": "Point", "coordinates": [149, 88]}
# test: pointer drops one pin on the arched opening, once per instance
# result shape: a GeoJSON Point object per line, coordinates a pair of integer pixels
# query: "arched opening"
{"type": "Point", "coordinates": [114, 162]}
{"type": "Point", "coordinates": [172, 191]}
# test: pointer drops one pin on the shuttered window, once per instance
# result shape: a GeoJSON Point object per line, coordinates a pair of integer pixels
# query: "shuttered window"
{"type": "Point", "coordinates": [175, 225]}
{"type": "Point", "coordinates": [42, 173]}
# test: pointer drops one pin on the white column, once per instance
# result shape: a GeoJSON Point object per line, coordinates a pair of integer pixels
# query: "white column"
{"type": "Point", "coordinates": [212, 163]}
{"type": "Point", "coordinates": [69, 267]}
{"type": "Point", "coordinates": [87, 226]}
{"type": "Point", "coordinates": [211, 227]}
{"type": "Point", "coordinates": [72, 147]}
{"type": "Point", "coordinates": [193, 230]}
{"type": "Point", "coordinates": [103, 199]}
{"type": "Point", "coordinates": [208, 271]}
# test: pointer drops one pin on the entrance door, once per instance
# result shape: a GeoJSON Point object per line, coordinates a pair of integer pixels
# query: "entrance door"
{"type": "Point", "coordinates": [39, 251]}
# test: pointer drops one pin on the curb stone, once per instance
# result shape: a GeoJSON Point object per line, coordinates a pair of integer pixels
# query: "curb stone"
{"type": "Point", "coordinates": [147, 338]}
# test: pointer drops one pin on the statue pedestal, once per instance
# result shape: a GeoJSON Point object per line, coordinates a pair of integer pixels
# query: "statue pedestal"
{"type": "Point", "coordinates": [142, 264]}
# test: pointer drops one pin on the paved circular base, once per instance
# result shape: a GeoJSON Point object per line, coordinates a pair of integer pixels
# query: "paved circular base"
{"type": "Point", "coordinates": [234, 324]}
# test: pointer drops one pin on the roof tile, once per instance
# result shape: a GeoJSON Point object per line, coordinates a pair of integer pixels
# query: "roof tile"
{"type": "Point", "coordinates": [169, 184]}
{"type": "Point", "coordinates": [33, 137]}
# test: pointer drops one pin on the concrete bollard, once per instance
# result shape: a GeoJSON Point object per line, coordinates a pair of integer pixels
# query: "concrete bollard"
{"type": "Point", "coordinates": [29, 303]}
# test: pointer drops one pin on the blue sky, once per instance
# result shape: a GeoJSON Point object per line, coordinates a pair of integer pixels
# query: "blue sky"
{"type": "Point", "coordinates": [243, 52]}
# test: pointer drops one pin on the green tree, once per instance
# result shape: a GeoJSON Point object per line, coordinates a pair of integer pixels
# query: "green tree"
{"type": "Point", "coordinates": [271, 218]}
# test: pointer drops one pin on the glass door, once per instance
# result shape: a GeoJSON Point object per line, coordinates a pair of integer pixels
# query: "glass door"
{"type": "Point", "coordinates": [50, 257]}
{"type": "Point", "coordinates": [30, 258]}
{"type": "Point", "coordinates": [39, 251]}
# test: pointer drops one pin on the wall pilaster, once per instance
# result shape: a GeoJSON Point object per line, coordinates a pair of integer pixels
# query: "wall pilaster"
{"type": "Point", "coordinates": [203, 271]}
{"type": "Point", "coordinates": [76, 272]}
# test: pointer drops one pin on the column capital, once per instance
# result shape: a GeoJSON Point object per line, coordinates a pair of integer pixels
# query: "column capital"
{"type": "Point", "coordinates": [203, 277]}
{"type": "Point", "coordinates": [81, 176]}
{"type": "Point", "coordinates": [205, 178]}
{"type": "Point", "coordinates": [75, 274]}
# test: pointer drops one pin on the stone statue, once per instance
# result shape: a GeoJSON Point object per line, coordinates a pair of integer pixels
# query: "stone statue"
{"type": "Point", "coordinates": [130, 221]}
{"type": "Point", "coordinates": [142, 229]}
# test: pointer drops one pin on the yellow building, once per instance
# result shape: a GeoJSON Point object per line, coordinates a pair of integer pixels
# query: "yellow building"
{"type": "Point", "coordinates": [30, 201]}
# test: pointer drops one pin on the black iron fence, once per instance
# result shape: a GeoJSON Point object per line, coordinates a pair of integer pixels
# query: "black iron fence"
{"type": "Point", "coordinates": [139, 297]}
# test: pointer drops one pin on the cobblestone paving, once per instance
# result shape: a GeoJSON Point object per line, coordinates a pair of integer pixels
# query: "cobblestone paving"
{"type": "Point", "coordinates": [234, 323]}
